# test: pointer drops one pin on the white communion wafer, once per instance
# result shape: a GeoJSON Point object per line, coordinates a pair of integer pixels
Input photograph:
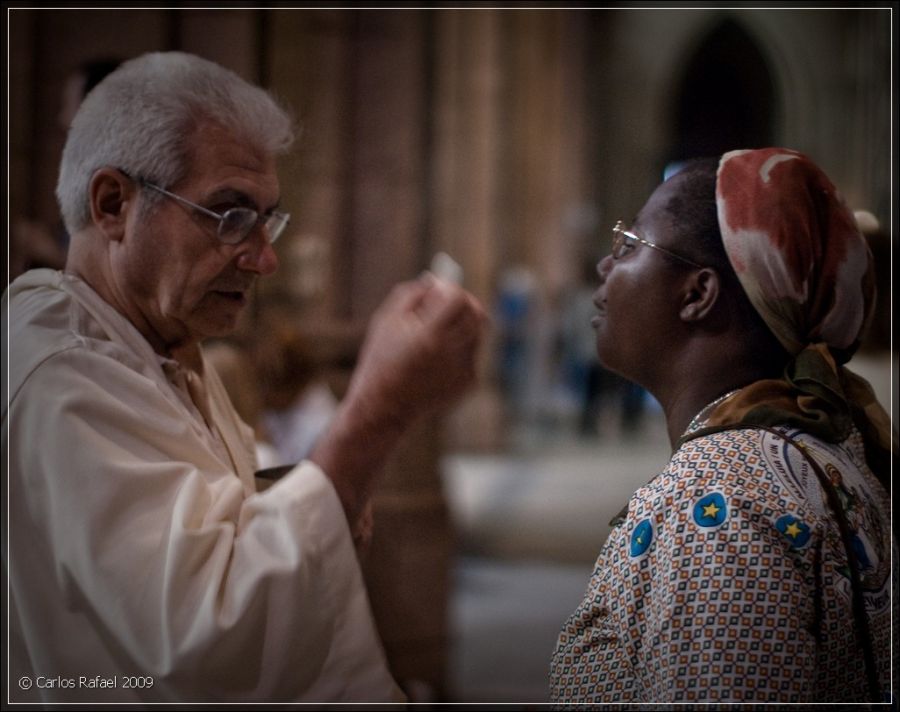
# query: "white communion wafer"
{"type": "Point", "coordinates": [445, 267]}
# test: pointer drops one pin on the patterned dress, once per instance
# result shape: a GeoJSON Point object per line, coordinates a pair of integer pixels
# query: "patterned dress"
{"type": "Point", "coordinates": [727, 581]}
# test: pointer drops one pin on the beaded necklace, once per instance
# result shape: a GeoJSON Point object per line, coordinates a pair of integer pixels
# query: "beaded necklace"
{"type": "Point", "coordinates": [705, 411]}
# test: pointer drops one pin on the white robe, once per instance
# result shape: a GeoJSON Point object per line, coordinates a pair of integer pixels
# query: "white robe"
{"type": "Point", "coordinates": [137, 544]}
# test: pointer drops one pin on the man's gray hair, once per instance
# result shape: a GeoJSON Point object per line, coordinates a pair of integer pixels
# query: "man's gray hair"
{"type": "Point", "coordinates": [143, 118]}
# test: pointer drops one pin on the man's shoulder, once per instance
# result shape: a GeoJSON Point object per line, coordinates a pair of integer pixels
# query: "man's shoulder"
{"type": "Point", "coordinates": [44, 319]}
{"type": "Point", "coordinates": [37, 312]}
{"type": "Point", "coordinates": [35, 297]}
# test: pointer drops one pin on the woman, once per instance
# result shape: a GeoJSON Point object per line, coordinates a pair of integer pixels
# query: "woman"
{"type": "Point", "coordinates": [742, 572]}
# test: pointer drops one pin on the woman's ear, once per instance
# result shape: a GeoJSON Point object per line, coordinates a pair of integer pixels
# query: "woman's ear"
{"type": "Point", "coordinates": [701, 292]}
{"type": "Point", "coordinates": [111, 194]}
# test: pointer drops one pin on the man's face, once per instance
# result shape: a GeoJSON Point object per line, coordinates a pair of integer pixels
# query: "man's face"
{"type": "Point", "coordinates": [185, 284]}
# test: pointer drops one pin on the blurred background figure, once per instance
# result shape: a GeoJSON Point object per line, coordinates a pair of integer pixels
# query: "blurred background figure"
{"type": "Point", "coordinates": [527, 359]}
{"type": "Point", "coordinates": [33, 244]}
{"type": "Point", "coordinates": [516, 325]}
{"type": "Point", "coordinates": [297, 403]}
{"type": "Point", "coordinates": [578, 355]}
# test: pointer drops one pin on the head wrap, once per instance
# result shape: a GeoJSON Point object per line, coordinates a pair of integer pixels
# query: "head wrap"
{"type": "Point", "coordinates": [795, 248]}
{"type": "Point", "coordinates": [808, 272]}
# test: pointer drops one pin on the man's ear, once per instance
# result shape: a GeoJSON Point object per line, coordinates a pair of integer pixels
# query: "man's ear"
{"type": "Point", "coordinates": [111, 194]}
{"type": "Point", "coordinates": [700, 294]}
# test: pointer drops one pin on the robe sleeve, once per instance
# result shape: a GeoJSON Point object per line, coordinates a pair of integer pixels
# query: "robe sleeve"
{"type": "Point", "coordinates": [216, 594]}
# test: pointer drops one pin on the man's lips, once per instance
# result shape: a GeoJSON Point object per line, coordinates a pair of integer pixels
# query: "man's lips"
{"type": "Point", "coordinates": [236, 295]}
{"type": "Point", "coordinates": [236, 290]}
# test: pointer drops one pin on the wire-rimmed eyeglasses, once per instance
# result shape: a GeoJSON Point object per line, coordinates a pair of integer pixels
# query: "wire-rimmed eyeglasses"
{"type": "Point", "coordinates": [624, 241]}
{"type": "Point", "coordinates": [235, 223]}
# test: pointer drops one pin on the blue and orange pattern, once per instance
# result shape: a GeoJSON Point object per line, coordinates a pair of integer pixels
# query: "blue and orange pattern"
{"type": "Point", "coordinates": [740, 594]}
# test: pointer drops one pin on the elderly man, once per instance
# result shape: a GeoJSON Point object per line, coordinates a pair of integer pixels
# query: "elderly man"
{"type": "Point", "coordinates": [142, 563]}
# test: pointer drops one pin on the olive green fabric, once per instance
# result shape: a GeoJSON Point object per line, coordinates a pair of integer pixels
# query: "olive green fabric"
{"type": "Point", "coordinates": [817, 396]}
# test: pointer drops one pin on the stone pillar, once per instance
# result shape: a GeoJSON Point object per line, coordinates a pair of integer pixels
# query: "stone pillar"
{"type": "Point", "coordinates": [465, 145]}
{"type": "Point", "coordinates": [358, 185]}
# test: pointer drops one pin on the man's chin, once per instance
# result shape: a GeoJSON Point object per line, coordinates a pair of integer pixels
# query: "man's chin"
{"type": "Point", "coordinates": [219, 326]}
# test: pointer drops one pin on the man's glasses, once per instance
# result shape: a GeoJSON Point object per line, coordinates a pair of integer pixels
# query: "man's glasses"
{"type": "Point", "coordinates": [624, 242]}
{"type": "Point", "coordinates": [235, 223]}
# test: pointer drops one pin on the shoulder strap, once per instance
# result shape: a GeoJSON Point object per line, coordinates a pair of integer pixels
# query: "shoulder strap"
{"type": "Point", "coordinates": [834, 503]}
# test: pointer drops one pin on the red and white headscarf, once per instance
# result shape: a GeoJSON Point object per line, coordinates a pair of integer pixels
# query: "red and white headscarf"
{"type": "Point", "coordinates": [796, 249]}
{"type": "Point", "coordinates": [808, 271]}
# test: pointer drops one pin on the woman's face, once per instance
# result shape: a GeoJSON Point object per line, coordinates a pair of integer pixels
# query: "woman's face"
{"type": "Point", "coordinates": [638, 299]}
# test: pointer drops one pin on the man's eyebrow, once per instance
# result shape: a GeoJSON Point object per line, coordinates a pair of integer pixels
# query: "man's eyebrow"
{"type": "Point", "coordinates": [232, 196]}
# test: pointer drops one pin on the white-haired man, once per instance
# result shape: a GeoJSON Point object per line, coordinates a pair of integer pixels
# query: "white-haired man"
{"type": "Point", "coordinates": [140, 552]}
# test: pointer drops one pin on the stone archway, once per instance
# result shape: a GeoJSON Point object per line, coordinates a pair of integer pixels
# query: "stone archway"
{"type": "Point", "coordinates": [726, 96]}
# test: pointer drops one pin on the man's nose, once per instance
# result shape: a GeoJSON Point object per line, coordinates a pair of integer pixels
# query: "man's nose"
{"type": "Point", "coordinates": [257, 254]}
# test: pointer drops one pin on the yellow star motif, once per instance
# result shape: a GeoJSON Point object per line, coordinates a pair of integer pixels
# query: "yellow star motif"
{"type": "Point", "coordinates": [793, 530]}
{"type": "Point", "coordinates": [640, 540]}
{"type": "Point", "coordinates": [711, 510]}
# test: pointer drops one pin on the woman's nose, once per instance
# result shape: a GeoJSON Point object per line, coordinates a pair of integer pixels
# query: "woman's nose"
{"type": "Point", "coordinates": [603, 267]}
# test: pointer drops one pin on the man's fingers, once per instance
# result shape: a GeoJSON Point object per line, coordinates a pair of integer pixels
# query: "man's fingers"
{"type": "Point", "coordinates": [445, 303]}
{"type": "Point", "coordinates": [406, 296]}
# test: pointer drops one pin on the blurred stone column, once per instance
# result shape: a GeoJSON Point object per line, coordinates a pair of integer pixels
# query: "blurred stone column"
{"type": "Point", "coordinates": [465, 168]}
{"type": "Point", "coordinates": [408, 566]}
{"type": "Point", "coordinates": [358, 183]}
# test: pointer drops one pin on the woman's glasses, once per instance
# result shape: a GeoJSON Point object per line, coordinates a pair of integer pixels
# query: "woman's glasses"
{"type": "Point", "coordinates": [624, 241]}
